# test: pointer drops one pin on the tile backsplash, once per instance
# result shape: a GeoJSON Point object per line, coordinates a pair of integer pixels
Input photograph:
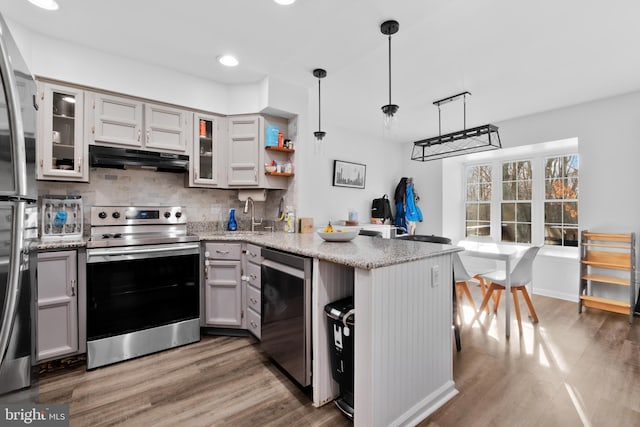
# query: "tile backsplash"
{"type": "Point", "coordinates": [143, 187]}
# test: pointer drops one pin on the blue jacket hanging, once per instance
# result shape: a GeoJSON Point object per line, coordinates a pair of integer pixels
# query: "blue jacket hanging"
{"type": "Point", "coordinates": [413, 212]}
{"type": "Point", "coordinates": [400, 221]}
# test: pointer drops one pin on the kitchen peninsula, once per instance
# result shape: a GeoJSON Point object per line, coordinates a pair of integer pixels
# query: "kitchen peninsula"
{"type": "Point", "coordinates": [403, 300]}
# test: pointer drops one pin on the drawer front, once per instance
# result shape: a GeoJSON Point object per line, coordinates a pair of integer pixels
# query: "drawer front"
{"type": "Point", "coordinates": [253, 253]}
{"type": "Point", "coordinates": [223, 250]}
{"type": "Point", "coordinates": [253, 299]}
{"type": "Point", "coordinates": [253, 273]}
{"type": "Point", "coordinates": [253, 323]}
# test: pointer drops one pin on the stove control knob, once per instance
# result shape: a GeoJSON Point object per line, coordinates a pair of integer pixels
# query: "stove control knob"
{"type": "Point", "coordinates": [116, 214]}
{"type": "Point", "coordinates": [167, 214]}
{"type": "Point", "coordinates": [102, 215]}
{"type": "Point", "coordinates": [178, 214]}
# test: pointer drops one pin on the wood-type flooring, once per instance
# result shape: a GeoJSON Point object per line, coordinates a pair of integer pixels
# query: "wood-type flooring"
{"type": "Point", "coordinates": [568, 370]}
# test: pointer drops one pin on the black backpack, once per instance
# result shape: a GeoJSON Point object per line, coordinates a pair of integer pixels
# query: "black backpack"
{"type": "Point", "coordinates": [381, 208]}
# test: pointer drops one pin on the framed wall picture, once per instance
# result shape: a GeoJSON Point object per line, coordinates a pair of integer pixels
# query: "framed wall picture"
{"type": "Point", "coordinates": [347, 174]}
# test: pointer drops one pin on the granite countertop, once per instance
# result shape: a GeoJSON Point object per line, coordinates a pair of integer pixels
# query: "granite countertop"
{"type": "Point", "coordinates": [362, 252]}
{"type": "Point", "coordinates": [60, 244]}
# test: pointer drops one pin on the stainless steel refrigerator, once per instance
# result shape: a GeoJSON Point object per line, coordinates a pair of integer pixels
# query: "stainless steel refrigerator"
{"type": "Point", "coordinates": [18, 223]}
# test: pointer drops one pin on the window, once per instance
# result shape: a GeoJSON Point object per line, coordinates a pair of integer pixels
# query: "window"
{"type": "Point", "coordinates": [561, 200]}
{"type": "Point", "coordinates": [478, 201]}
{"type": "Point", "coordinates": [536, 201]}
{"type": "Point", "coordinates": [515, 209]}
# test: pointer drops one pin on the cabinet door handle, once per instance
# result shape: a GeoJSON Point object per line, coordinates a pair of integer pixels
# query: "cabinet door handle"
{"type": "Point", "coordinates": [73, 287]}
{"type": "Point", "coordinates": [253, 300]}
{"type": "Point", "coordinates": [218, 251]}
{"type": "Point", "coordinates": [253, 277]}
{"type": "Point", "coordinates": [139, 134]}
{"type": "Point", "coordinates": [148, 133]}
{"type": "Point", "coordinates": [254, 325]}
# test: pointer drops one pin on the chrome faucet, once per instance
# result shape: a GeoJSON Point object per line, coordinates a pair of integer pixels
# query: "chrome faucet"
{"type": "Point", "coordinates": [246, 209]}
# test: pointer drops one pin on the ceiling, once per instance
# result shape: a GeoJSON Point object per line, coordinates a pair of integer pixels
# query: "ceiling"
{"type": "Point", "coordinates": [515, 58]}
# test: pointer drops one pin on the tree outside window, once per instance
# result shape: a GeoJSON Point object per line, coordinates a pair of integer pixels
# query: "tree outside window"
{"type": "Point", "coordinates": [561, 200]}
{"type": "Point", "coordinates": [517, 183]}
{"type": "Point", "coordinates": [478, 201]}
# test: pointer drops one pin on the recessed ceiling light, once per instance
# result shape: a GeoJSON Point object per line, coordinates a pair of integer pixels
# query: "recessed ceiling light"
{"type": "Point", "coordinates": [285, 2]}
{"type": "Point", "coordinates": [228, 60]}
{"type": "Point", "coordinates": [45, 4]}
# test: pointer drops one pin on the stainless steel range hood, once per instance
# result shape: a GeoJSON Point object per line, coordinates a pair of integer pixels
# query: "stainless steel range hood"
{"type": "Point", "coordinates": [125, 158]}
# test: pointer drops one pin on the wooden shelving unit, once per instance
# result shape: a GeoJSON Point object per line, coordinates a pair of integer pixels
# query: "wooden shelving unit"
{"type": "Point", "coordinates": [604, 259]}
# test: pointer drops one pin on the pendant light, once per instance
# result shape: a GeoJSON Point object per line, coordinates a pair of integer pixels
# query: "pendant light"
{"type": "Point", "coordinates": [320, 74]}
{"type": "Point", "coordinates": [388, 28]}
{"type": "Point", "coordinates": [465, 141]}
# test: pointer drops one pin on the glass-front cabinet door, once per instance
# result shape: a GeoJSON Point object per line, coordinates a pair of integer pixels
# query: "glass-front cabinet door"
{"type": "Point", "coordinates": [205, 157]}
{"type": "Point", "coordinates": [61, 147]}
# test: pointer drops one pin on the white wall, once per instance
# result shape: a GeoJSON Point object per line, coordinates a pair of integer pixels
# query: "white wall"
{"type": "Point", "coordinates": [608, 131]}
{"type": "Point", "coordinates": [60, 60]}
{"type": "Point", "coordinates": [427, 178]}
{"type": "Point", "coordinates": [317, 196]}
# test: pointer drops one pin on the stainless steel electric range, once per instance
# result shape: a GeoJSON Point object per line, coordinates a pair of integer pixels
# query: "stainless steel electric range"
{"type": "Point", "coordinates": [142, 282]}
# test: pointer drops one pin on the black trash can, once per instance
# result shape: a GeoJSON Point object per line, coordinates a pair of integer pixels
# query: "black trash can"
{"type": "Point", "coordinates": [340, 334]}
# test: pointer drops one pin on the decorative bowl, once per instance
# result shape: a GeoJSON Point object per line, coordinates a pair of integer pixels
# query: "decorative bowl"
{"type": "Point", "coordinates": [339, 234]}
{"type": "Point", "coordinates": [270, 168]}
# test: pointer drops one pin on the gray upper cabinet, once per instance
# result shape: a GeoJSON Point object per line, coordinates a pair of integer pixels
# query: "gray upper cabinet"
{"type": "Point", "coordinates": [61, 151]}
{"type": "Point", "coordinates": [167, 128]}
{"type": "Point", "coordinates": [127, 122]}
{"type": "Point", "coordinates": [208, 153]}
{"type": "Point", "coordinates": [247, 154]}
{"type": "Point", "coordinates": [244, 145]}
{"type": "Point", "coordinates": [116, 120]}
{"type": "Point", "coordinates": [57, 330]}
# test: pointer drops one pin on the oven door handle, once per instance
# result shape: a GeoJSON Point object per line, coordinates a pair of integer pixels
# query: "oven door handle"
{"type": "Point", "coordinates": [103, 255]}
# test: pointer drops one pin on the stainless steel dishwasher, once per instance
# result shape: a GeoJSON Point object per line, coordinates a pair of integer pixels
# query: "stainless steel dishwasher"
{"type": "Point", "coordinates": [286, 312]}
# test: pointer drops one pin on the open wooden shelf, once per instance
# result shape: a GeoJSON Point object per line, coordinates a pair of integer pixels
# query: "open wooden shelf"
{"type": "Point", "coordinates": [605, 265]}
{"type": "Point", "coordinates": [605, 304]}
{"type": "Point", "coordinates": [602, 245]}
{"type": "Point", "coordinates": [278, 174]}
{"type": "Point", "coordinates": [607, 279]}
{"type": "Point", "coordinates": [607, 251]}
{"type": "Point", "coordinates": [281, 149]}
{"type": "Point", "coordinates": [609, 237]}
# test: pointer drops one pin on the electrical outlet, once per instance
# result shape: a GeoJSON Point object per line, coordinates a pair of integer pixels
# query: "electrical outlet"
{"type": "Point", "coordinates": [435, 276]}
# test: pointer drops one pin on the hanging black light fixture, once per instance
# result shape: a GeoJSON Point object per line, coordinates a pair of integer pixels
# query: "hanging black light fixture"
{"type": "Point", "coordinates": [320, 74]}
{"type": "Point", "coordinates": [388, 28]}
{"type": "Point", "coordinates": [465, 141]}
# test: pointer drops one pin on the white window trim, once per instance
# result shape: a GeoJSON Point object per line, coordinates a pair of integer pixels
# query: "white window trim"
{"type": "Point", "coordinates": [537, 154]}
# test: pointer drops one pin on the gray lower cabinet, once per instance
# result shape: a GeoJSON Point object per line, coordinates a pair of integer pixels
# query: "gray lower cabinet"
{"type": "Point", "coordinates": [57, 330]}
{"type": "Point", "coordinates": [223, 303]}
{"type": "Point", "coordinates": [252, 276]}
